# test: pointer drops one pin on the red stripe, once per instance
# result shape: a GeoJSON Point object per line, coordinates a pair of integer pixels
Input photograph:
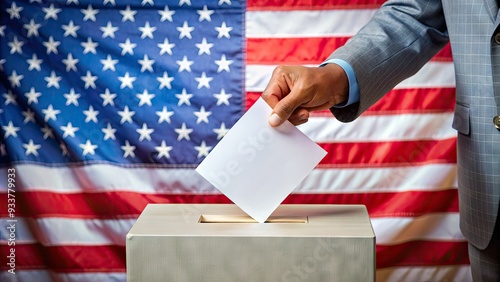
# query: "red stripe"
{"type": "Point", "coordinates": [398, 101]}
{"type": "Point", "coordinates": [131, 204]}
{"type": "Point", "coordinates": [303, 50]}
{"type": "Point", "coordinates": [312, 4]}
{"type": "Point", "coordinates": [74, 259]}
{"type": "Point", "coordinates": [422, 253]}
{"type": "Point", "coordinates": [66, 258]}
{"type": "Point", "coordinates": [394, 153]}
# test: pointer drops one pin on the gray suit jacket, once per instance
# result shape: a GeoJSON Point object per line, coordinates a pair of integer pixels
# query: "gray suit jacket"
{"type": "Point", "coordinates": [400, 39]}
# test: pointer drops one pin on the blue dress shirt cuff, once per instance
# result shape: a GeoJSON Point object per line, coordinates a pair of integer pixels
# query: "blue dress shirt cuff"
{"type": "Point", "coordinates": [353, 82]}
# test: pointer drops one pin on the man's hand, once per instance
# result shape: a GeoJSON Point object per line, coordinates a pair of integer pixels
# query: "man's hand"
{"type": "Point", "coordinates": [294, 91]}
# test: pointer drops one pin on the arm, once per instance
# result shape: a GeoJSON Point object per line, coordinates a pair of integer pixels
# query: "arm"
{"type": "Point", "coordinates": [402, 36]}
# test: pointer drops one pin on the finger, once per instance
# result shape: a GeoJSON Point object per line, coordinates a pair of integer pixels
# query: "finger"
{"type": "Point", "coordinates": [276, 89]}
{"type": "Point", "coordinates": [286, 107]}
{"type": "Point", "coordinates": [299, 116]}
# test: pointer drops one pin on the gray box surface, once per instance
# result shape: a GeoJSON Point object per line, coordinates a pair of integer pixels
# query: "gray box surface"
{"type": "Point", "coordinates": [219, 242]}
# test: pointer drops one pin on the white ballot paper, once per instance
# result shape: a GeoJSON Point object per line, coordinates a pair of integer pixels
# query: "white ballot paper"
{"type": "Point", "coordinates": [257, 166]}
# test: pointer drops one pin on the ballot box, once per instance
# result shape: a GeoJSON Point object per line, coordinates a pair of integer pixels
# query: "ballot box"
{"type": "Point", "coordinates": [219, 242]}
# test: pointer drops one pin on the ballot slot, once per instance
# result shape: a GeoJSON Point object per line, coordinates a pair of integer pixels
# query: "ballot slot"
{"type": "Point", "coordinates": [247, 219]}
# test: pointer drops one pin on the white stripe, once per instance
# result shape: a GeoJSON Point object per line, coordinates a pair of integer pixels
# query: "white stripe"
{"type": "Point", "coordinates": [402, 127]}
{"type": "Point", "coordinates": [106, 178]}
{"type": "Point", "coordinates": [457, 273]}
{"type": "Point", "coordinates": [57, 231]}
{"type": "Point", "coordinates": [432, 177]}
{"type": "Point", "coordinates": [49, 276]}
{"type": "Point", "coordinates": [311, 23]}
{"type": "Point", "coordinates": [433, 227]}
{"type": "Point", "coordinates": [433, 74]}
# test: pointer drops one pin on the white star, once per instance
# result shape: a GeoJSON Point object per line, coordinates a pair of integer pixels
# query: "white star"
{"type": "Point", "coordinates": [2, 61]}
{"type": "Point", "coordinates": [69, 2]}
{"type": "Point", "coordinates": [109, 63]}
{"type": "Point", "coordinates": [88, 148]}
{"type": "Point", "coordinates": [146, 64]}
{"type": "Point", "coordinates": [70, 63]}
{"type": "Point", "coordinates": [2, 29]}
{"type": "Point", "coordinates": [126, 81]}
{"type": "Point", "coordinates": [10, 98]}
{"type": "Point", "coordinates": [89, 46]}
{"type": "Point", "coordinates": [109, 132]}
{"type": "Point", "coordinates": [166, 47]}
{"type": "Point", "coordinates": [164, 115]}
{"type": "Point", "coordinates": [13, 11]}
{"type": "Point", "coordinates": [222, 98]}
{"type": "Point", "coordinates": [34, 63]}
{"type": "Point", "coordinates": [127, 47]}
{"type": "Point", "coordinates": [204, 47]}
{"type": "Point", "coordinates": [15, 80]}
{"type": "Point", "coordinates": [223, 30]}
{"type": "Point", "coordinates": [165, 81]}
{"type": "Point", "coordinates": [53, 80]}
{"type": "Point", "coordinates": [145, 132]}
{"type": "Point", "coordinates": [89, 13]}
{"type": "Point", "coordinates": [126, 115]}
{"type": "Point", "coordinates": [107, 98]}
{"type": "Point", "coordinates": [50, 113]}
{"type": "Point", "coordinates": [51, 12]}
{"type": "Point", "coordinates": [184, 64]}
{"type": "Point", "coordinates": [128, 14]}
{"type": "Point", "coordinates": [112, 2]}
{"type": "Point", "coordinates": [145, 98]}
{"type": "Point", "coordinates": [221, 131]}
{"type": "Point", "coordinates": [187, 2]}
{"type": "Point", "coordinates": [203, 81]}
{"type": "Point", "coordinates": [47, 132]}
{"type": "Point", "coordinates": [184, 98]}
{"type": "Point", "coordinates": [224, 1]}
{"type": "Point", "coordinates": [70, 29]}
{"type": "Point", "coordinates": [185, 30]}
{"type": "Point", "coordinates": [32, 28]}
{"type": "Point", "coordinates": [32, 96]}
{"type": "Point", "coordinates": [51, 45]}
{"type": "Point", "coordinates": [147, 31]}
{"type": "Point", "coordinates": [205, 14]}
{"type": "Point", "coordinates": [183, 132]}
{"type": "Point", "coordinates": [150, 2]}
{"type": "Point", "coordinates": [72, 97]}
{"type": "Point", "coordinates": [223, 63]}
{"type": "Point", "coordinates": [166, 14]}
{"type": "Point", "coordinates": [128, 150]}
{"type": "Point", "coordinates": [29, 116]}
{"type": "Point", "coordinates": [163, 150]}
{"type": "Point", "coordinates": [108, 30]}
{"type": "Point", "coordinates": [10, 130]}
{"type": "Point", "coordinates": [202, 115]}
{"type": "Point", "coordinates": [64, 150]}
{"type": "Point", "coordinates": [203, 149]}
{"type": "Point", "coordinates": [31, 148]}
{"type": "Point", "coordinates": [16, 46]}
{"type": "Point", "coordinates": [69, 130]}
{"type": "Point", "coordinates": [89, 80]}
{"type": "Point", "coordinates": [91, 114]}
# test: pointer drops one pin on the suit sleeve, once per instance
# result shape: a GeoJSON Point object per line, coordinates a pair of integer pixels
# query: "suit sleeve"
{"type": "Point", "coordinates": [400, 38]}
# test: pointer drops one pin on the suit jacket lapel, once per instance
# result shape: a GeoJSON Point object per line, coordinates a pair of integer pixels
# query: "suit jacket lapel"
{"type": "Point", "coordinates": [492, 8]}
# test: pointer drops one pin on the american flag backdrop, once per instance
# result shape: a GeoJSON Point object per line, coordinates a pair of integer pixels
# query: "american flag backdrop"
{"type": "Point", "coordinates": [108, 105]}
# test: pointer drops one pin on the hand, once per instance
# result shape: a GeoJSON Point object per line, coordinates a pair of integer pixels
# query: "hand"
{"type": "Point", "coordinates": [294, 91]}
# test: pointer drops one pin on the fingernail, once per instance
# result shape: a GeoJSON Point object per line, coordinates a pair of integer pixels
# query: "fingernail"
{"type": "Point", "coordinates": [274, 120]}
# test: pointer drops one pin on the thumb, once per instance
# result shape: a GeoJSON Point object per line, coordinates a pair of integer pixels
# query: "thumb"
{"type": "Point", "coordinates": [284, 109]}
